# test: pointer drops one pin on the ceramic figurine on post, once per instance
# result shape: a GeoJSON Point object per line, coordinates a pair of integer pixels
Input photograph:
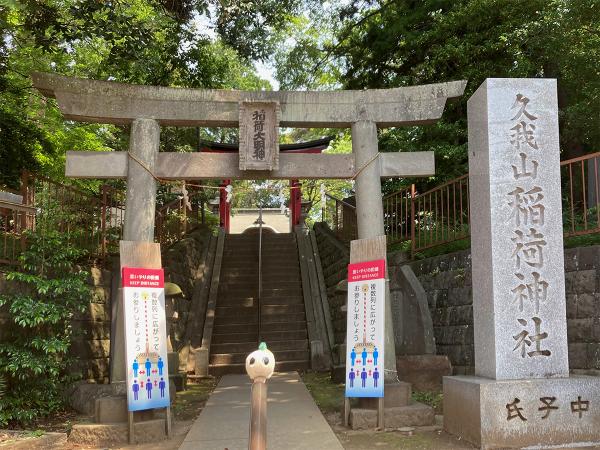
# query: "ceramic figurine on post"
{"type": "Point", "coordinates": [259, 366]}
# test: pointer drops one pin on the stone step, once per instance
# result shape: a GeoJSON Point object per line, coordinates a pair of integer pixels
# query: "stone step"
{"type": "Point", "coordinates": [267, 292]}
{"type": "Point", "coordinates": [252, 301]}
{"type": "Point", "coordinates": [270, 236]}
{"type": "Point", "coordinates": [266, 310]}
{"type": "Point", "coordinates": [281, 366]}
{"type": "Point", "coordinates": [249, 346]}
{"type": "Point", "coordinates": [252, 336]}
{"type": "Point", "coordinates": [286, 283]}
{"type": "Point", "coordinates": [252, 272]}
{"type": "Point", "coordinates": [232, 277]}
{"type": "Point", "coordinates": [265, 319]}
{"type": "Point", "coordinates": [253, 243]}
{"type": "Point", "coordinates": [240, 358]}
{"type": "Point", "coordinates": [227, 328]}
{"type": "Point", "coordinates": [279, 264]}
{"type": "Point", "coordinates": [265, 243]}
{"type": "Point", "coordinates": [280, 254]}
{"type": "Point", "coordinates": [253, 246]}
{"type": "Point", "coordinates": [243, 265]}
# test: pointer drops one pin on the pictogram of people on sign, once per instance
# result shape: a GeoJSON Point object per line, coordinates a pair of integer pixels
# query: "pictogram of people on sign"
{"type": "Point", "coordinates": [136, 390]}
{"type": "Point", "coordinates": [161, 385]}
{"type": "Point", "coordinates": [148, 376]}
{"type": "Point", "coordinates": [363, 362]}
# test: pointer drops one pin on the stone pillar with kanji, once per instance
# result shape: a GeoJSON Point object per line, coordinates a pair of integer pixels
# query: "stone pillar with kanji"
{"type": "Point", "coordinates": [521, 394]}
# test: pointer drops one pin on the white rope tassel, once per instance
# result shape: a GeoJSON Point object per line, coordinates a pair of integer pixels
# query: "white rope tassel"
{"type": "Point", "coordinates": [229, 190]}
{"type": "Point", "coordinates": [185, 197]}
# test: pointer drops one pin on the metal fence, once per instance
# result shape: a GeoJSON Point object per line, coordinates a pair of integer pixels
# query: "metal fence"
{"type": "Point", "coordinates": [581, 195]}
{"type": "Point", "coordinates": [93, 222]}
{"type": "Point", "coordinates": [175, 219]}
{"type": "Point", "coordinates": [14, 219]}
{"type": "Point", "coordinates": [441, 215]}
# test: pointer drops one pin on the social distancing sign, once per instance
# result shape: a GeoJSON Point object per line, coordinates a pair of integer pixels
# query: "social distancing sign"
{"type": "Point", "coordinates": [146, 339]}
{"type": "Point", "coordinates": [365, 329]}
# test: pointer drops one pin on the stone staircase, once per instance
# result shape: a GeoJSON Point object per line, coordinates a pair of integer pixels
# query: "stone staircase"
{"type": "Point", "coordinates": [282, 315]}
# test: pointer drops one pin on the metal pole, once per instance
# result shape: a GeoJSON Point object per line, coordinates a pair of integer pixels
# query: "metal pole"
{"type": "Point", "coordinates": [260, 224]}
{"type": "Point", "coordinates": [413, 221]}
{"type": "Point", "coordinates": [258, 415]}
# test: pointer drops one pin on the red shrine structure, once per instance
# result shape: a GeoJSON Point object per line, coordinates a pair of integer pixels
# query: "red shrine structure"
{"type": "Point", "coordinates": [316, 146]}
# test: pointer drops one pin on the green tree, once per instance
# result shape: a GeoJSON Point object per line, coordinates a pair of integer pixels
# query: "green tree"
{"type": "Point", "coordinates": [403, 43]}
{"type": "Point", "coordinates": [47, 291]}
{"type": "Point", "coordinates": [391, 43]}
{"type": "Point", "coordinates": [155, 42]}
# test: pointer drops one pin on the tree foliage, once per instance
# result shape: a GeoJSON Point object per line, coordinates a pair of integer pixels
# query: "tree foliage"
{"type": "Point", "coordinates": [182, 43]}
{"type": "Point", "coordinates": [391, 43]}
{"type": "Point", "coordinates": [48, 290]}
{"type": "Point", "coordinates": [400, 43]}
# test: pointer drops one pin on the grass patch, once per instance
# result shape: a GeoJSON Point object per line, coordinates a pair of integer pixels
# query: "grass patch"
{"type": "Point", "coordinates": [443, 249]}
{"type": "Point", "coordinates": [433, 399]}
{"type": "Point", "coordinates": [34, 434]}
{"type": "Point", "coordinates": [329, 396]}
{"type": "Point", "coordinates": [190, 402]}
{"type": "Point", "coordinates": [585, 240]}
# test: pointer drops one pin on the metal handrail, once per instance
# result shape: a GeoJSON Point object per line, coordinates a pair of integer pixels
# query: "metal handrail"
{"type": "Point", "coordinates": [340, 201]}
{"type": "Point", "coordinates": [442, 214]}
{"type": "Point", "coordinates": [260, 223]}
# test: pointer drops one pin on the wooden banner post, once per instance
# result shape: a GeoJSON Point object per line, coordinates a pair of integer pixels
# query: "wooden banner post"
{"type": "Point", "coordinates": [143, 255]}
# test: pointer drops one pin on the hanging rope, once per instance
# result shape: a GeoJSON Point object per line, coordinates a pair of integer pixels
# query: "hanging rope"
{"type": "Point", "coordinates": [368, 163]}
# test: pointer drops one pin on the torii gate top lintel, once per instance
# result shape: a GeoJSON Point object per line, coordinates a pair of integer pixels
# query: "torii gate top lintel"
{"type": "Point", "coordinates": [111, 102]}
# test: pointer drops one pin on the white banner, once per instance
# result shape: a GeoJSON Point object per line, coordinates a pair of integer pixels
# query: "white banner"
{"type": "Point", "coordinates": [365, 329]}
{"type": "Point", "coordinates": [145, 339]}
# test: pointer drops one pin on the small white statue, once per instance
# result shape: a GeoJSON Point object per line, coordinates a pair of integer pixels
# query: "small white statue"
{"type": "Point", "coordinates": [260, 363]}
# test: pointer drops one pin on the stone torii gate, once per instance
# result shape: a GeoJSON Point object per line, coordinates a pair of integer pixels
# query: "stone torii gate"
{"type": "Point", "coordinates": [146, 108]}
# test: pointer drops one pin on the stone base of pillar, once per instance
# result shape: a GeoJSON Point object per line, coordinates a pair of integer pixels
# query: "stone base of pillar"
{"type": "Point", "coordinates": [414, 415]}
{"type": "Point", "coordinates": [396, 393]}
{"type": "Point", "coordinates": [399, 409]}
{"type": "Point", "coordinates": [523, 413]}
{"type": "Point", "coordinates": [202, 362]}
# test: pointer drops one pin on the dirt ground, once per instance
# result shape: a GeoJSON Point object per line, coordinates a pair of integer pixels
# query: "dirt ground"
{"type": "Point", "coordinates": [186, 408]}
{"type": "Point", "coordinates": [329, 397]}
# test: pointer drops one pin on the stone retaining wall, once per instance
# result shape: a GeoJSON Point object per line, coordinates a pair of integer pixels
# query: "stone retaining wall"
{"type": "Point", "coordinates": [93, 327]}
{"type": "Point", "coordinates": [447, 281]}
{"type": "Point", "coordinates": [92, 348]}
{"type": "Point", "coordinates": [335, 257]}
{"type": "Point", "coordinates": [183, 264]}
{"type": "Point", "coordinates": [412, 338]}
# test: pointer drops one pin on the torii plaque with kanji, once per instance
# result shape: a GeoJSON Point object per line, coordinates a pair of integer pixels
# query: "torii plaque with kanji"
{"type": "Point", "coordinates": [259, 135]}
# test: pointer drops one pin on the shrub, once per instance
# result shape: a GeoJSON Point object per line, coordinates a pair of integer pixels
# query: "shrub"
{"type": "Point", "coordinates": [48, 289]}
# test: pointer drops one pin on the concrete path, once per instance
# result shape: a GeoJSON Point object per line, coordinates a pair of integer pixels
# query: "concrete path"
{"type": "Point", "coordinates": [294, 421]}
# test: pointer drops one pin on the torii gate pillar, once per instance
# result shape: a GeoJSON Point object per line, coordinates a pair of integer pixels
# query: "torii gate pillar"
{"type": "Point", "coordinates": [141, 186]}
{"type": "Point", "coordinates": [369, 216]}
{"type": "Point", "coordinates": [144, 140]}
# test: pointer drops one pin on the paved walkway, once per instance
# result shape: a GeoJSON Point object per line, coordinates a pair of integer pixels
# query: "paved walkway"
{"type": "Point", "coordinates": [294, 421]}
